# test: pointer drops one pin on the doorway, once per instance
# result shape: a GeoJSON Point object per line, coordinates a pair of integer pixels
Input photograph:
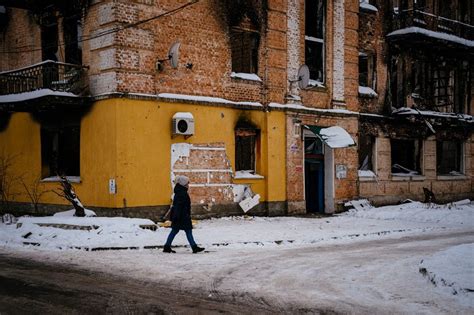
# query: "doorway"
{"type": "Point", "coordinates": [314, 174]}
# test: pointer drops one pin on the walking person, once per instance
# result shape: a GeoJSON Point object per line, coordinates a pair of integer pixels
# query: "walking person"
{"type": "Point", "coordinates": [181, 215]}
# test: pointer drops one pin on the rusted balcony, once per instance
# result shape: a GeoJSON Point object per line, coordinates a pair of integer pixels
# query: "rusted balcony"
{"type": "Point", "coordinates": [43, 86]}
{"type": "Point", "coordinates": [424, 27]}
{"type": "Point", "coordinates": [53, 75]}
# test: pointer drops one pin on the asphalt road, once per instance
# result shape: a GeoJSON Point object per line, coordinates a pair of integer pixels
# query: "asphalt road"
{"type": "Point", "coordinates": [29, 287]}
{"type": "Point", "coordinates": [347, 271]}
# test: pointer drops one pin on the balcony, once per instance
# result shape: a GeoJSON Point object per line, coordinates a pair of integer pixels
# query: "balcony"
{"type": "Point", "coordinates": [423, 27]}
{"type": "Point", "coordinates": [46, 83]}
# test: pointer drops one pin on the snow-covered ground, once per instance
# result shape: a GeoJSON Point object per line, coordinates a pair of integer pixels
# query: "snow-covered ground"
{"type": "Point", "coordinates": [410, 258]}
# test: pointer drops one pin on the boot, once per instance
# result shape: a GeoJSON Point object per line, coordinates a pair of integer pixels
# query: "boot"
{"type": "Point", "coordinates": [197, 249]}
{"type": "Point", "coordinates": [167, 249]}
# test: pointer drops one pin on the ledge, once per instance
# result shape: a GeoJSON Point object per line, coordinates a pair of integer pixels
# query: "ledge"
{"type": "Point", "coordinates": [414, 178]}
{"type": "Point", "coordinates": [251, 78]}
{"type": "Point", "coordinates": [367, 179]}
{"type": "Point", "coordinates": [452, 177]}
{"type": "Point", "coordinates": [54, 179]}
{"type": "Point", "coordinates": [244, 175]}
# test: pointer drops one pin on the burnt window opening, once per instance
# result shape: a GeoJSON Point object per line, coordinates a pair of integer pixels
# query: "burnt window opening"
{"type": "Point", "coordinates": [366, 152]}
{"type": "Point", "coordinates": [60, 147]}
{"type": "Point", "coordinates": [246, 141]}
{"type": "Point", "coordinates": [72, 30]}
{"type": "Point", "coordinates": [244, 46]}
{"type": "Point", "coordinates": [315, 19]}
{"type": "Point", "coordinates": [443, 88]}
{"type": "Point", "coordinates": [449, 158]}
{"type": "Point", "coordinates": [49, 35]}
{"type": "Point", "coordinates": [367, 70]}
{"type": "Point", "coordinates": [245, 19]}
{"type": "Point", "coordinates": [406, 155]}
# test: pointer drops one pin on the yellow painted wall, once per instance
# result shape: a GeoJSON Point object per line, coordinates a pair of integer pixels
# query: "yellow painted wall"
{"type": "Point", "coordinates": [144, 147]}
{"type": "Point", "coordinates": [130, 141]}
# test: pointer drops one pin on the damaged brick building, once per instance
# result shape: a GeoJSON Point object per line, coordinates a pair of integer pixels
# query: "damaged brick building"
{"type": "Point", "coordinates": [122, 96]}
{"type": "Point", "coordinates": [415, 76]}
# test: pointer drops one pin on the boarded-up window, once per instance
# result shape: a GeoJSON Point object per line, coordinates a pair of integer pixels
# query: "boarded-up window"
{"type": "Point", "coordinates": [60, 148]}
{"type": "Point", "coordinates": [449, 157]}
{"type": "Point", "coordinates": [406, 156]}
{"type": "Point", "coordinates": [245, 149]}
{"type": "Point", "coordinates": [315, 19]}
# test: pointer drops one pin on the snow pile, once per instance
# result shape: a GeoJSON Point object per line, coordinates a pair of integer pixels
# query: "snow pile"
{"type": "Point", "coordinates": [451, 214]}
{"type": "Point", "coordinates": [452, 270]}
{"type": "Point", "coordinates": [366, 91]}
{"type": "Point", "coordinates": [66, 232]}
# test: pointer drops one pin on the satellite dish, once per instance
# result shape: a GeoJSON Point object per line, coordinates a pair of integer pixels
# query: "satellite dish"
{"type": "Point", "coordinates": [173, 54]}
{"type": "Point", "coordinates": [303, 77]}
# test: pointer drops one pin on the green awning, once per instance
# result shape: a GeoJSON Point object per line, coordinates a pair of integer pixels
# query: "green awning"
{"type": "Point", "coordinates": [334, 137]}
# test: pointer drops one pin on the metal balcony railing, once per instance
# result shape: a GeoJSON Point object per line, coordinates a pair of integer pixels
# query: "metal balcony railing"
{"type": "Point", "coordinates": [57, 76]}
{"type": "Point", "coordinates": [432, 22]}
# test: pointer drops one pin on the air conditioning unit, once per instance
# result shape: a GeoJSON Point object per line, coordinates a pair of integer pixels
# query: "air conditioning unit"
{"type": "Point", "coordinates": [183, 124]}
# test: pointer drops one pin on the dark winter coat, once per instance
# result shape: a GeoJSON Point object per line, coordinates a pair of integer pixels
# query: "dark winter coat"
{"type": "Point", "coordinates": [181, 209]}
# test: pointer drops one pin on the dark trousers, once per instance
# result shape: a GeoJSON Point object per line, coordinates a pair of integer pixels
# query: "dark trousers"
{"type": "Point", "coordinates": [174, 231]}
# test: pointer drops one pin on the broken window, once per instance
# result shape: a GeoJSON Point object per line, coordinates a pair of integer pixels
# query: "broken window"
{"type": "Point", "coordinates": [60, 147]}
{"type": "Point", "coordinates": [367, 73]}
{"type": "Point", "coordinates": [245, 19]}
{"type": "Point", "coordinates": [366, 152]}
{"type": "Point", "coordinates": [449, 157]}
{"type": "Point", "coordinates": [315, 19]}
{"type": "Point", "coordinates": [245, 149]}
{"type": "Point", "coordinates": [406, 156]}
{"type": "Point", "coordinates": [244, 45]}
{"type": "Point", "coordinates": [443, 81]}
{"type": "Point", "coordinates": [72, 35]}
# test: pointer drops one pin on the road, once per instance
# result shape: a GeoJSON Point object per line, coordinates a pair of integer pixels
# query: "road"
{"type": "Point", "coordinates": [341, 278]}
{"type": "Point", "coordinates": [29, 287]}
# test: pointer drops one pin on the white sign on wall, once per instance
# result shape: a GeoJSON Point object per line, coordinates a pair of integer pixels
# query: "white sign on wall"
{"type": "Point", "coordinates": [112, 186]}
{"type": "Point", "coordinates": [341, 171]}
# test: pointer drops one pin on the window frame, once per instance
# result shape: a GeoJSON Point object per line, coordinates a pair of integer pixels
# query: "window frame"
{"type": "Point", "coordinates": [440, 158]}
{"type": "Point", "coordinates": [316, 40]}
{"type": "Point", "coordinates": [240, 159]}
{"type": "Point", "coordinates": [417, 154]}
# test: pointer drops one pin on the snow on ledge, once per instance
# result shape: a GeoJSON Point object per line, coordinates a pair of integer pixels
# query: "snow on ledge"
{"type": "Point", "coordinates": [72, 179]}
{"type": "Point", "coordinates": [368, 7]}
{"type": "Point", "coordinates": [246, 175]}
{"type": "Point", "coordinates": [302, 107]}
{"type": "Point", "coordinates": [430, 113]}
{"type": "Point", "coordinates": [367, 173]}
{"type": "Point", "coordinates": [246, 76]}
{"type": "Point", "coordinates": [9, 98]}
{"type": "Point", "coordinates": [315, 83]}
{"type": "Point", "coordinates": [433, 34]}
{"type": "Point", "coordinates": [208, 99]}
{"type": "Point", "coordinates": [366, 91]}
